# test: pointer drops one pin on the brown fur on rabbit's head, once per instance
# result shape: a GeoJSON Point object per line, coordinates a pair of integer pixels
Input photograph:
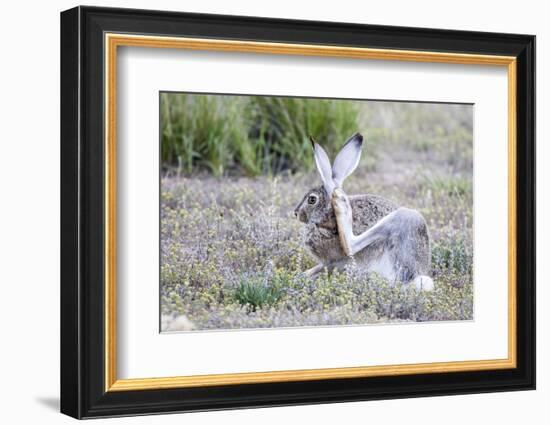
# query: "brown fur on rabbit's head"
{"type": "Point", "coordinates": [315, 207]}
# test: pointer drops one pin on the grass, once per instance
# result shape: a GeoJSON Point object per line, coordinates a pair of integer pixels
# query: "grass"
{"type": "Point", "coordinates": [232, 257]}
{"type": "Point", "coordinates": [451, 186]}
{"type": "Point", "coordinates": [257, 293]}
{"type": "Point", "coordinates": [249, 135]}
{"type": "Point", "coordinates": [255, 135]}
{"type": "Point", "coordinates": [232, 254]}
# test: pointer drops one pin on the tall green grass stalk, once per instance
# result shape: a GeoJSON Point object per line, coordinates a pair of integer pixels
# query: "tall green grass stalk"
{"type": "Point", "coordinates": [249, 135]}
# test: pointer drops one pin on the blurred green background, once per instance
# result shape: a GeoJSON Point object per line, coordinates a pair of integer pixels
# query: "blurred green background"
{"type": "Point", "coordinates": [266, 135]}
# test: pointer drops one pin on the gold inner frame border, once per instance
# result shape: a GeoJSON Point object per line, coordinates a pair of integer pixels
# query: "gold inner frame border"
{"type": "Point", "coordinates": [113, 40]}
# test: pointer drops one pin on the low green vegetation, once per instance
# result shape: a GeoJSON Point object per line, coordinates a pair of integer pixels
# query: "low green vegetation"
{"type": "Point", "coordinates": [257, 292]}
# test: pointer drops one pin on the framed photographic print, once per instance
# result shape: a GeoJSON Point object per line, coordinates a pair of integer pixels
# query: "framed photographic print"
{"type": "Point", "coordinates": [261, 212]}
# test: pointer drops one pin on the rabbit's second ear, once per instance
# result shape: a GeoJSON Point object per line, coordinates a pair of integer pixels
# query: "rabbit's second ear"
{"type": "Point", "coordinates": [323, 166]}
{"type": "Point", "coordinates": [347, 159]}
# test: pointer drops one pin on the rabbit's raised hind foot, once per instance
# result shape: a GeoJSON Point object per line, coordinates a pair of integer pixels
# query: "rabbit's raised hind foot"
{"type": "Point", "coordinates": [344, 219]}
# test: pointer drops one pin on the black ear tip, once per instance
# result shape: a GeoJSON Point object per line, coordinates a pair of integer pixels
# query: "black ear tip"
{"type": "Point", "coordinates": [356, 139]}
{"type": "Point", "coordinates": [312, 140]}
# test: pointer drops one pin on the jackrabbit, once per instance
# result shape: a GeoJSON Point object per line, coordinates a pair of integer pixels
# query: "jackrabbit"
{"type": "Point", "coordinates": [383, 238]}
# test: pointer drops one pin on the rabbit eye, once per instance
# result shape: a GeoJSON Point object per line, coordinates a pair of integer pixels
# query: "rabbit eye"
{"type": "Point", "coordinates": [312, 199]}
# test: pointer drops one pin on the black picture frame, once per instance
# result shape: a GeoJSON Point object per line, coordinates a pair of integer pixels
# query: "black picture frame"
{"type": "Point", "coordinates": [83, 392]}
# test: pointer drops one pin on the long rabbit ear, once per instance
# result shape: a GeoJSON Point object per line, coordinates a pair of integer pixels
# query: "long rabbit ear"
{"type": "Point", "coordinates": [323, 166]}
{"type": "Point", "coordinates": [347, 159]}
